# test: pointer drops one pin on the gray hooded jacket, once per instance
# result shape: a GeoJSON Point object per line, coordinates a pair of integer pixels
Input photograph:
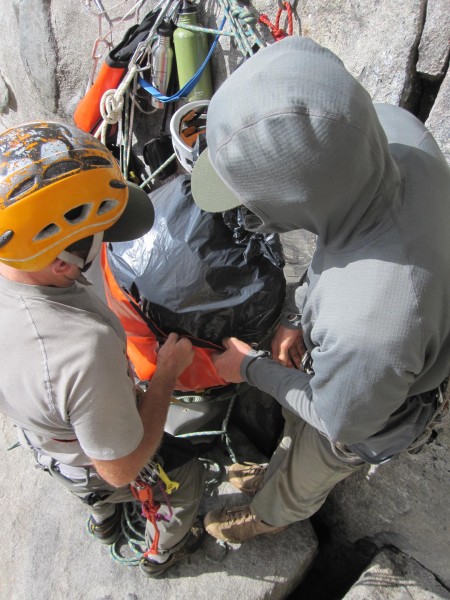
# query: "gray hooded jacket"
{"type": "Point", "coordinates": [372, 184]}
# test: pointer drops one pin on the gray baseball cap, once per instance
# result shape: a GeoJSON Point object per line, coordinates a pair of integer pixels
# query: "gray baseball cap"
{"type": "Point", "coordinates": [287, 133]}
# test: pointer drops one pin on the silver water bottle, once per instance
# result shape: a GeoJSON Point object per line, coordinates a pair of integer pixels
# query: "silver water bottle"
{"type": "Point", "coordinates": [162, 59]}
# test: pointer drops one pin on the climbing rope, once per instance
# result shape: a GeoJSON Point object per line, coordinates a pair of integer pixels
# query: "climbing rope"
{"type": "Point", "coordinates": [277, 32]}
{"type": "Point", "coordinates": [223, 432]}
{"type": "Point", "coordinates": [131, 546]}
{"type": "Point", "coordinates": [112, 102]}
{"type": "Point", "coordinates": [241, 22]}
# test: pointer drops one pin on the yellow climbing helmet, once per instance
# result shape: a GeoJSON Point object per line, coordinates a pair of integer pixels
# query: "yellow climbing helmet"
{"type": "Point", "coordinates": [59, 185]}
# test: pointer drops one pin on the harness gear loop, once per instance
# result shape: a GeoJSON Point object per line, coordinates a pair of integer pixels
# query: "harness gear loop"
{"type": "Point", "coordinates": [279, 34]}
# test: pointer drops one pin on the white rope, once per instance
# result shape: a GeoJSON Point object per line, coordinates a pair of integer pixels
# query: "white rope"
{"type": "Point", "coordinates": [112, 102]}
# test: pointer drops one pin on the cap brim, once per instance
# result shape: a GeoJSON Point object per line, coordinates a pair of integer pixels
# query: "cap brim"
{"type": "Point", "coordinates": [136, 220]}
{"type": "Point", "coordinates": [208, 190]}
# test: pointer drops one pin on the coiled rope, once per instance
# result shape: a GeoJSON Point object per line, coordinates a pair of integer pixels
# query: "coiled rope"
{"type": "Point", "coordinates": [131, 546]}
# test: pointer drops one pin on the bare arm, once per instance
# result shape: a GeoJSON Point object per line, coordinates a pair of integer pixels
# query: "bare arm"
{"type": "Point", "coordinates": [173, 357]}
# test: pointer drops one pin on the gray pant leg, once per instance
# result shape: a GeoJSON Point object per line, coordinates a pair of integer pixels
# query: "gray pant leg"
{"type": "Point", "coordinates": [184, 503]}
{"type": "Point", "coordinates": [290, 422]}
{"type": "Point", "coordinates": [102, 509]}
{"type": "Point", "coordinates": [305, 470]}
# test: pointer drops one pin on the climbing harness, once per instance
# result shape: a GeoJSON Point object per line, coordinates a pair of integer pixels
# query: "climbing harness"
{"type": "Point", "coordinates": [438, 421]}
{"type": "Point", "coordinates": [277, 32]}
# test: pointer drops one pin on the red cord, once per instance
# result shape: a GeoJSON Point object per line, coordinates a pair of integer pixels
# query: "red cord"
{"type": "Point", "coordinates": [149, 510]}
{"type": "Point", "coordinates": [279, 34]}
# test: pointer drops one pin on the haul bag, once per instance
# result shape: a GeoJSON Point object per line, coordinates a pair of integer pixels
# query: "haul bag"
{"type": "Point", "coordinates": [143, 340]}
{"type": "Point", "coordinates": [87, 114]}
{"type": "Point", "coordinates": [196, 273]}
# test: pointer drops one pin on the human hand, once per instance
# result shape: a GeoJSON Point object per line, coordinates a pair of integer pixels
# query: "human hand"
{"type": "Point", "coordinates": [288, 347]}
{"type": "Point", "coordinates": [175, 355]}
{"type": "Point", "coordinates": [228, 363]}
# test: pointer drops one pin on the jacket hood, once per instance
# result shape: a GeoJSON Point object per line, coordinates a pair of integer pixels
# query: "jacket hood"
{"type": "Point", "coordinates": [295, 138]}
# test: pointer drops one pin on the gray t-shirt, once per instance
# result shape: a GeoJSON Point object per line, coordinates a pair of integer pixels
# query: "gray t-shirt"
{"type": "Point", "coordinates": [65, 376]}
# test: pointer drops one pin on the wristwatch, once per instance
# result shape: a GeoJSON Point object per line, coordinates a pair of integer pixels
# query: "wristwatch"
{"type": "Point", "coordinates": [257, 354]}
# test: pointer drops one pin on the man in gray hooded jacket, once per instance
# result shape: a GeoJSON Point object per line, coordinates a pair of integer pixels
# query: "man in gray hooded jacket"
{"type": "Point", "coordinates": [305, 148]}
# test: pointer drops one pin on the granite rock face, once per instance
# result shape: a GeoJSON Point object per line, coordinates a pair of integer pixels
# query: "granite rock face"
{"type": "Point", "coordinates": [400, 53]}
{"type": "Point", "coordinates": [404, 504]}
{"type": "Point", "coordinates": [394, 576]}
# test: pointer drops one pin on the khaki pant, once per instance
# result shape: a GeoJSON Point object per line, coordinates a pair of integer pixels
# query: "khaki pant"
{"type": "Point", "coordinates": [301, 473]}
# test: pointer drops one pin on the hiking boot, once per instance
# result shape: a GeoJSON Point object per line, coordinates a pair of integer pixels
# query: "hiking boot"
{"type": "Point", "coordinates": [109, 530]}
{"type": "Point", "coordinates": [194, 539]}
{"type": "Point", "coordinates": [247, 477]}
{"type": "Point", "coordinates": [237, 524]}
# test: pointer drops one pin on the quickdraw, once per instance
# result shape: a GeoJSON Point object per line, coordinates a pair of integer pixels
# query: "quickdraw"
{"type": "Point", "coordinates": [142, 490]}
{"type": "Point", "coordinates": [277, 32]}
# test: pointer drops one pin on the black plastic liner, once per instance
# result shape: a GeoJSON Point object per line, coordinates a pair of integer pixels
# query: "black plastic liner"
{"type": "Point", "coordinates": [201, 274]}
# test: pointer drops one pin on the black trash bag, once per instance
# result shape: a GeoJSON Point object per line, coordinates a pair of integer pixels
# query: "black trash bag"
{"type": "Point", "coordinates": [201, 274]}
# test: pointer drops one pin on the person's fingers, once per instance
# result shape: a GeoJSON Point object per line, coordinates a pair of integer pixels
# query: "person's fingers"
{"type": "Point", "coordinates": [227, 342]}
{"type": "Point", "coordinates": [295, 356]}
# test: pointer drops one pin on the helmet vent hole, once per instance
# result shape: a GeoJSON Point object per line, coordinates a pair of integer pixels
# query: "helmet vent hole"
{"type": "Point", "coordinates": [61, 168]}
{"type": "Point", "coordinates": [47, 232]}
{"type": "Point", "coordinates": [107, 206]}
{"type": "Point", "coordinates": [23, 187]}
{"type": "Point", "coordinates": [77, 214]}
{"type": "Point", "coordinates": [96, 161]}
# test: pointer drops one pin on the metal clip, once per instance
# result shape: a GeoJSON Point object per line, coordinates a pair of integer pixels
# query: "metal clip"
{"type": "Point", "coordinates": [307, 364]}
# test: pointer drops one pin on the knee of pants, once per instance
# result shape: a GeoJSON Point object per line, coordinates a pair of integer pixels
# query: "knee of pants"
{"type": "Point", "coordinates": [191, 479]}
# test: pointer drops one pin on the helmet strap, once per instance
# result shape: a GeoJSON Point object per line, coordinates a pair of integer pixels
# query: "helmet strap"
{"type": "Point", "coordinates": [83, 263]}
{"type": "Point", "coordinates": [95, 247]}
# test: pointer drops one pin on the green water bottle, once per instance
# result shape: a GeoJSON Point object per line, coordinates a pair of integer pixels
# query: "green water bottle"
{"type": "Point", "coordinates": [191, 49]}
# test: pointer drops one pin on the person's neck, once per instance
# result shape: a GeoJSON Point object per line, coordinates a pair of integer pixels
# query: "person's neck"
{"type": "Point", "coordinates": [42, 277]}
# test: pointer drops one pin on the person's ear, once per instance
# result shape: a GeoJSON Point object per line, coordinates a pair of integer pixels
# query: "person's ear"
{"type": "Point", "coordinates": [61, 267]}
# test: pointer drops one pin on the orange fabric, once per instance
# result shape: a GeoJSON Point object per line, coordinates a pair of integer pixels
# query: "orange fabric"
{"type": "Point", "coordinates": [87, 113]}
{"type": "Point", "coordinates": [142, 343]}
